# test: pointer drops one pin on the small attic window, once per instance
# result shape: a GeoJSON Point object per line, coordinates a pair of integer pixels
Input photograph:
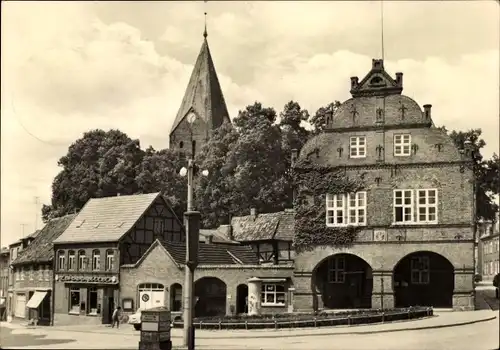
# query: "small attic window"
{"type": "Point", "coordinates": [80, 224]}
{"type": "Point", "coordinates": [376, 81]}
{"type": "Point", "coordinates": [120, 224]}
{"type": "Point", "coordinates": [96, 226]}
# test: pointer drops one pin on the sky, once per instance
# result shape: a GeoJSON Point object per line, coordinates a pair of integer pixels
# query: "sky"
{"type": "Point", "coordinates": [69, 67]}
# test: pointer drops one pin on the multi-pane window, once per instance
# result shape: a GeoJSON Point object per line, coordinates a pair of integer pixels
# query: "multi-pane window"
{"type": "Point", "coordinates": [96, 260]}
{"type": "Point", "coordinates": [71, 260]}
{"type": "Point", "coordinates": [61, 260]}
{"type": "Point", "coordinates": [357, 147]}
{"type": "Point", "coordinates": [74, 300]}
{"type": "Point", "coordinates": [420, 270]}
{"type": "Point", "coordinates": [273, 294]}
{"type": "Point", "coordinates": [346, 209]}
{"type": "Point", "coordinates": [22, 274]}
{"type": "Point", "coordinates": [403, 206]}
{"type": "Point", "coordinates": [427, 206]}
{"type": "Point", "coordinates": [110, 260]}
{"type": "Point", "coordinates": [82, 260]}
{"type": "Point", "coordinates": [336, 269]}
{"type": "Point", "coordinates": [402, 144]}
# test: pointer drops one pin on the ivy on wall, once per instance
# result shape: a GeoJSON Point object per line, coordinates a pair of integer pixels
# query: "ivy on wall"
{"type": "Point", "coordinates": [312, 183]}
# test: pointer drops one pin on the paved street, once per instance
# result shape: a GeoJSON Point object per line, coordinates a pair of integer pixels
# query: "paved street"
{"type": "Point", "coordinates": [480, 336]}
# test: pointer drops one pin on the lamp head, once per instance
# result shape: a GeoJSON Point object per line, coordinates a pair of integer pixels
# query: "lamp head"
{"type": "Point", "coordinates": [183, 171]}
{"type": "Point", "coordinates": [205, 173]}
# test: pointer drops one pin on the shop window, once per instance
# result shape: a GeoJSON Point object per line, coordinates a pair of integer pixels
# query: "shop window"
{"type": "Point", "coordinates": [273, 294]}
{"type": "Point", "coordinates": [74, 300]}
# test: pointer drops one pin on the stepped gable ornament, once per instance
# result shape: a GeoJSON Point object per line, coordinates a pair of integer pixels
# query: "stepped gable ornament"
{"type": "Point", "coordinates": [340, 150]}
{"type": "Point", "coordinates": [379, 150]}
{"type": "Point", "coordinates": [377, 82]}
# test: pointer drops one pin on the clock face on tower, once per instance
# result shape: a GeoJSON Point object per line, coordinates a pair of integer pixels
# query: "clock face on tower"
{"type": "Point", "coordinates": [191, 117]}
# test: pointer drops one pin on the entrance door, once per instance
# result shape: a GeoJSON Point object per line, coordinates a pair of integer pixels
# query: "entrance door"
{"type": "Point", "coordinates": [151, 295]}
{"type": "Point", "coordinates": [20, 305]}
{"type": "Point", "coordinates": [242, 299]}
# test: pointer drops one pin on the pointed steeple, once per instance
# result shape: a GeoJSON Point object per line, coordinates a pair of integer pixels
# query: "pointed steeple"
{"type": "Point", "coordinates": [203, 95]}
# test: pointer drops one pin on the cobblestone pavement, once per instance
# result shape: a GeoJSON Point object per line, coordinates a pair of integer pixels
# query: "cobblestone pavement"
{"type": "Point", "coordinates": [478, 336]}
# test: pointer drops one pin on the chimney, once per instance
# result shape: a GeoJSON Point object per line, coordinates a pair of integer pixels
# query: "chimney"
{"type": "Point", "coordinates": [427, 111]}
{"type": "Point", "coordinates": [399, 79]}
{"type": "Point", "coordinates": [377, 64]}
{"type": "Point", "coordinates": [253, 212]}
{"type": "Point", "coordinates": [354, 82]}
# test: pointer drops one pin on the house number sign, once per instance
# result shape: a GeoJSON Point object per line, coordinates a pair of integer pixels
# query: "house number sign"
{"type": "Point", "coordinates": [145, 297]}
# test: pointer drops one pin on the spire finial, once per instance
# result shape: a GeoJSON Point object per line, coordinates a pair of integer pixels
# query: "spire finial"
{"type": "Point", "coordinates": [205, 34]}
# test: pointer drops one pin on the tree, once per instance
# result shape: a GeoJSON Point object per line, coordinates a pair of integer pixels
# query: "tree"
{"type": "Point", "coordinates": [159, 172]}
{"type": "Point", "coordinates": [101, 163]}
{"type": "Point", "coordinates": [247, 168]}
{"type": "Point", "coordinates": [487, 172]}
{"type": "Point", "coordinates": [318, 120]}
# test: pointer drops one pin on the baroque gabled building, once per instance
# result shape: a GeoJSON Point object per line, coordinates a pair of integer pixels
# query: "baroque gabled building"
{"type": "Point", "coordinates": [203, 108]}
{"type": "Point", "coordinates": [414, 213]}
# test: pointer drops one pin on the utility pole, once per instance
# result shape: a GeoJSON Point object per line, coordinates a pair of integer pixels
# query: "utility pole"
{"type": "Point", "coordinates": [23, 226]}
{"type": "Point", "coordinates": [36, 212]}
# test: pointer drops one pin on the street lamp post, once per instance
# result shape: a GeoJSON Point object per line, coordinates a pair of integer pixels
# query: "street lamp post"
{"type": "Point", "coordinates": [192, 228]}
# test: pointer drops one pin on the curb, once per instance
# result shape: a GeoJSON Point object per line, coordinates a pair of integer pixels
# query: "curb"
{"type": "Point", "coordinates": [333, 331]}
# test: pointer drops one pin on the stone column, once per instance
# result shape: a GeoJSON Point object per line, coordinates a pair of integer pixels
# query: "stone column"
{"type": "Point", "coordinates": [291, 291]}
{"type": "Point", "coordinates": [463, 293]}
{"type": "Point", "coordinates": [254, 296]}
{"type": "Point", "coordinates": [382, 292]}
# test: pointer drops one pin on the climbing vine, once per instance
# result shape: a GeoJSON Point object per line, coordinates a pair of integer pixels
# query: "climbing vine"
{"type": "Point", "coordinates": [312, 183]}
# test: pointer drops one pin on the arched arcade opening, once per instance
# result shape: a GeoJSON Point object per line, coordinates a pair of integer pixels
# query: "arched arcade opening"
{"type": "Point", "coordinates": [210, 297]}
{"type": "Point", "coordinates": [424, 279]}
{"type": "Point", "coordinates": [345, 281]}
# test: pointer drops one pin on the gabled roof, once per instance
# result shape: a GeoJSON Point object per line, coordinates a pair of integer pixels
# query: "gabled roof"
{"type": "Point", "coordinates": [218, 235]}
{"type": "Point", "coordinates": [377, 82]}
{"type": "Point", "coordinates": [279, 225]}
{"type": "Point", "coordinates": [213, 254]}
{"type": "Point", "coordinates": [41, 249]}
{"type": "Point", "coordinates": [107, 219]}
{"type": "Point", "coordinates": [203, 94]}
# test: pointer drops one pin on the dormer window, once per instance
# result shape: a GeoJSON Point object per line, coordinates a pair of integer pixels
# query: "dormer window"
{"type": "Point", "coordinates": [181, 144]}
{"type": "Point", "coordinates": [357, 147]}
{"type": "Point", "coordinates": [61, 260]}
{"type": "Point", "coordinates": [402, 145]}
{"type": "Point", "coordinates": [376, 81]}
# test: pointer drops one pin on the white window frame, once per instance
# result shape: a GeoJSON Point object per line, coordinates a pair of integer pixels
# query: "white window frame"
{"type": "Point", "coordinates": [399, 146]}
{"type": "Point", "coordinates": [422, 273]}
{"type": "Point", "coordinates": [22, 273]}
{"type": "Point", "coordinates": [403, 205]}
{"type": "Point", "coordinates": [46, 272]}
{"type": "Point", "coordinates": [357, 147]}
{"type": "Point", "coordinates": [110, 260]}
{"type": "Point", "coordinates": [492, 268]}
{"type": "Point", "coordinates": [82, 258]}
{"type": "Point", "coordinates": [339, 206]}
{"type": "Point", "coordinates": [96, 260]}
{"type": "Point", "coordinates": [71, 260]}
{"type": "Point", "coordinates": [272, 290]}
{"type": "Point", "coordinates": [61, 260]}
{"type": "Point", "coordinates": [427, 207]}
{"type": "Point", "coordinates": [336, 269]}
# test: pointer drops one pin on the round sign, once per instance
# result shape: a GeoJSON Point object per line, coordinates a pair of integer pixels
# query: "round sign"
{"type": "Point", "coordinates": [145, 297]}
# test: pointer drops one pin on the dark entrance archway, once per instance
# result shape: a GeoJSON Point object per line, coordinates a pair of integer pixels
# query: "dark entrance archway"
{"type": "Point", "coordinates": [242, 299]}
{"type": "Point", "coordinates": [210, 297]}
{"type": "Point", "coordinates": [175, 297]}
{"type": "Point", "coordinates": [424, 279]}
{"type": "Point", "coordinates": [345, 282]}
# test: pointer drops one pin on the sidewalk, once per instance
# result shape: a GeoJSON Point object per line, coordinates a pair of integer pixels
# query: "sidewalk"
{"type": "Point", "coordinates": [440, 320]}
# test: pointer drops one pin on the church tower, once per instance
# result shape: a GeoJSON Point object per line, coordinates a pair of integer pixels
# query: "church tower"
{"type": "Point", "coordinates": [203, 108]}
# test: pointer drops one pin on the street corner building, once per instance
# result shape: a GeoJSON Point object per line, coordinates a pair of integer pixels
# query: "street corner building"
{"type": "Point", "coordinates": [414, 214]}
{"type": "Point", "coordinates": [31, 289]}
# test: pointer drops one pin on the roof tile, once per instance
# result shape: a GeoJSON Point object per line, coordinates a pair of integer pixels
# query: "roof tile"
{"type": "Point", "coordinates": [107, 219]}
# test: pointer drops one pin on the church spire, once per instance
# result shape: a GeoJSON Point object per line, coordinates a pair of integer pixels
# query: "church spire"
{"type": "Point", "coordinates": [205, 34]}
